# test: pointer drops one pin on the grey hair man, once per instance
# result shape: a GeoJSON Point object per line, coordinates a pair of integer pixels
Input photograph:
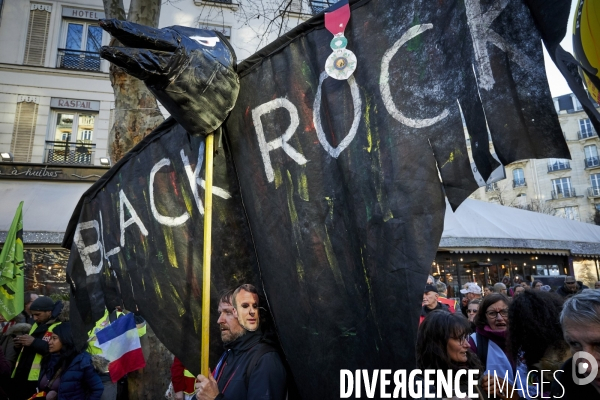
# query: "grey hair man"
{"type": "Point", "coordinates": [500, 288]}
{"type": "Point", "coordinates": [580, 320]}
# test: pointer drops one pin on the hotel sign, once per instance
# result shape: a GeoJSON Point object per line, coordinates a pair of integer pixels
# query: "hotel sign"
{"type": "Point", "coordinates": [74, 104]}
{"type": "Point", "coordinates": [81, 14]}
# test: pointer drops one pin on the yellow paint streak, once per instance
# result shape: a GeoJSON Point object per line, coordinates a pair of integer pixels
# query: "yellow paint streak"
{"type": "Point", "coordinates": [156, 286]}
{"type": "Point", "coordinates": [303, 186]}
{"type": "Point", "coordinates": [300, 270]}
{"type": "Point", "coordinates": [277, 175]}
{"type": "Point", "coordinates": [170, 247]}
{"type": "Point", "coordinates": [143, 283]}
{"type": "Point", "coordinates": [290, 199]}
{"type": "Point", "coordinates": [388, 215]}
{"type": "Point", "coordinates": [333, 265]}
{"type": "Point", "coordinates": [177, 300]}
{"type": "Point", "coordinates": [330, 204]}
{"type": "Point", "coordinates": [368, 125]}
{"type": "Point", "coordinates": [189, 205]}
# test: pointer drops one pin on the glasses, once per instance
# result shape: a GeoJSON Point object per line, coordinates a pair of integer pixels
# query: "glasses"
{"type": "Point", "coordinates": [461, 339]}
{"type": "Point", "coordinates": [472, 311]}
{"type": "Point", "coordinates": [494, 314]}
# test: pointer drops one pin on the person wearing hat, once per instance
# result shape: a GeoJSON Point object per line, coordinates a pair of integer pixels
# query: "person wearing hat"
{"type": "Point", "coordinates": [33, 347]}
{"type": "Point", "coordinates": [430, 302]}
{"type": "Point", "coordinates": [471, 291]}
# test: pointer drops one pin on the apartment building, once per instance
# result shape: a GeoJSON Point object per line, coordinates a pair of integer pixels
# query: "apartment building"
{"type": "Point", "coordinates": [561, 187]}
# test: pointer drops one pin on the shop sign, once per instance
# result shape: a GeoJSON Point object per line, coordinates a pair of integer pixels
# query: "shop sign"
{"type": "Point", "coordinates": [75, 104]}
{"type": "Point", "coordinates": [82, 14]}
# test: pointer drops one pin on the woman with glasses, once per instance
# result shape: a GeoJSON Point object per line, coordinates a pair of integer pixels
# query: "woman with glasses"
{"type": "Point", "coordinates": [442, 344]}
{"type": "Point", "coordinates": [489, 341]}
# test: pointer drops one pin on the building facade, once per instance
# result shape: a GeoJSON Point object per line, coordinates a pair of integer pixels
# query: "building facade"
{"type": "Point", "coordinates": [57, 105]}
{"type": "Point", "coordinates": [561, 187]}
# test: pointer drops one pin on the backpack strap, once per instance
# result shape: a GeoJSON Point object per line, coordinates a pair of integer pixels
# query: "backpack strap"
{"type": "Point", "coordinates": [482, 348]}
{"type": "Point", "coordinates": [262, 349]}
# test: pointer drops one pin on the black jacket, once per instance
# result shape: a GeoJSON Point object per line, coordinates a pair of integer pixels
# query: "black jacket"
{"type": "Point", "coordinates": [564, 292]}
{"type": "Point", "coordinates": [565, 388]}
{"type": "Point", "coordinates": [267, 378]}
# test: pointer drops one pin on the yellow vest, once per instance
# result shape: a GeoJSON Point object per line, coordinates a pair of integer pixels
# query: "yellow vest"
{"type": "Point", "coordinates": [101, 324]}
{"type": "Point", "coordinates": [34, 372]}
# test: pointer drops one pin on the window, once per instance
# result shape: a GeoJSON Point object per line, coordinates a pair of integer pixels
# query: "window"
{"type": "Point", "coordinates": [594, 191]}
{"type": "Point", "coordinates": [81, 43]}
{"type": "Point", "coordinates": [562, 188]}
{"type": "Point", "coordinates": [491, 187]}
{"type": "Point", "coordinates": [37, 34]}
{"type": "Point", "coordinates": [557, 164]}
{"type": "Point", "coordinates": [72, 138]}
{"type": "Point", "coordinates": [591, 156]}
{"type": "Point", "coordinates": [24, 129]}
{"type": "Point", "coordinates": [585, 128]}
{"type": "Point", "coordinates": [571, 213]}
{"type": "Point", "coordinates": [518, 177]}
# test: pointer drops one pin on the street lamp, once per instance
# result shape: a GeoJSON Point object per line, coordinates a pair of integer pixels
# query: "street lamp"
{"type": "Point", "coordinates": [6, 156]}
{"type": "Point", "coordinates": [105, 161]}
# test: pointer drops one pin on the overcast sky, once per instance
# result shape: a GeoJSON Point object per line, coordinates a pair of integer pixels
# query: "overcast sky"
{"type": "Point", "coordinates": [558, 85]}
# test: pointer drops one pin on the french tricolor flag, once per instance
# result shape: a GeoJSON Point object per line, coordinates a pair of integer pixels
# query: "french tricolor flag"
{"type": "Point", "coordinates": [120, 344]}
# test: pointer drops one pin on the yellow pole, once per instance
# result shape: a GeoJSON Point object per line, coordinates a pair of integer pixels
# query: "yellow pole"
{"type": "Point", "coordinates": [207, 253]}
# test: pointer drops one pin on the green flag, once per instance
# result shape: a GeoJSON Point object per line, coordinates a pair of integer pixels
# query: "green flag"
{"type": "Point", "coordinates": [12, 284]}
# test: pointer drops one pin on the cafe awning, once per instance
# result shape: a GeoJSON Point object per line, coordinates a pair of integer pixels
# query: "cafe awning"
{"type": "Point", "coordinates": [478, 227]}
{"type": "Point", "coordinates": [47, 208]}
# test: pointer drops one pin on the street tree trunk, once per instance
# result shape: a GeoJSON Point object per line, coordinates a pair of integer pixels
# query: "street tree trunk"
{"type": "Point", "coordinates": [136, 114]}
{"type": "Point", "coordinates": [136, 111]}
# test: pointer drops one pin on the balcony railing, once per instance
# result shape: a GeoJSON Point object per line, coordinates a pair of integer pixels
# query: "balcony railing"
{"type": "Point", "coordinates": [594, 191]}
{"type": "Point", "coordinates": [586, 134]}
{"type": "Point", "coordinates": [80, 60]}
{"type": "Point", "coordinates": [319, 6]}
{"type": "Point", "coordinates": [558, 166]}
{"type": "Point", "coordinates": [70, 153]}
{"type": "Point", "coordinates": [592, 162]}
{"type": "Point", "coordinates": [563, 193]}
{"type": "Point", "coordinates": [519, 183]}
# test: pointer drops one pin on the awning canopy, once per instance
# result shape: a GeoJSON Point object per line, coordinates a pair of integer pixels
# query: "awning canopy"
{"type": "Point", "coordinates": [47, 208]}
{"type": "Point", "coordinates": [478, 227]}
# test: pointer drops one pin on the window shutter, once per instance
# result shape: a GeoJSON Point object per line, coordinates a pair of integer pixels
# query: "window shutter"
{"type": "Point", "coordinates": [37, 34]}
{"type": "Point", "coordinates": [24, 131]}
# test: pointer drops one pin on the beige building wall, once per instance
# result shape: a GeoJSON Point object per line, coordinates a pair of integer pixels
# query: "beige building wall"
{"type": "Point", "coordinates": [565, 188]}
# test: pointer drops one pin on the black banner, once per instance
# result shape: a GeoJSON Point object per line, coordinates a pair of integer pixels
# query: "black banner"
{"type": "Point", "coordinates": [342, 183]}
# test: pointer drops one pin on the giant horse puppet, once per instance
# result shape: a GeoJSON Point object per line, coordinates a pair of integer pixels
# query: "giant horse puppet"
{"type": "Point", "coordinates": [329, 194]}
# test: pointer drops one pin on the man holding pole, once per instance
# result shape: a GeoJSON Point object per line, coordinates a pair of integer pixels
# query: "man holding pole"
{"type": "Point", "coordinates": [250, 368]}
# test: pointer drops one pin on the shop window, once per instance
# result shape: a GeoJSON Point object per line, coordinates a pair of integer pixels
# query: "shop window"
{"type": "Point", "coordinates": [24, 129]}
{"type": "Point", "coordinates": [37, 34]}
{"type": "Point", "coordinates": [80, 45]}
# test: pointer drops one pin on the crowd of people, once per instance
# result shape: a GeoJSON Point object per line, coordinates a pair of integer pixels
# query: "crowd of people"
{"type": "Point", "coordinates": [526, 335]}
{"type": "Point", "coordinates": [523, 339]}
